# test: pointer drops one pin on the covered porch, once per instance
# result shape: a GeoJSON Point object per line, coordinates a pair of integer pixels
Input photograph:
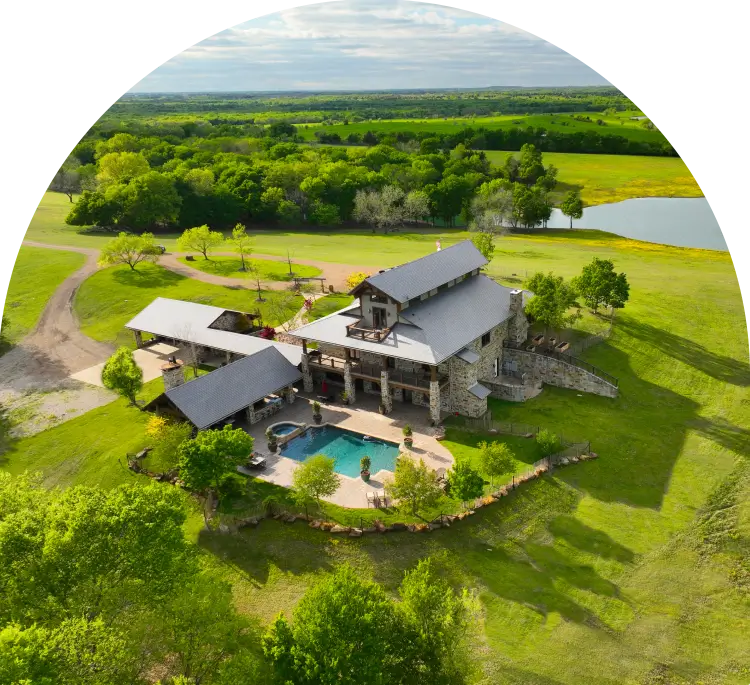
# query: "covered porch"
{"type": "Point", "coordinates": [395, 386]}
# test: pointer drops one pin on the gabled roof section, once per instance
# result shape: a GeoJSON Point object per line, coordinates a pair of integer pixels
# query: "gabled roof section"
{"type": "Point", "coordinates": [231, 388]}
{"type": "Point", "coordinates": [190, 322]}
{"type": "Point", "coordinates": [410, 280]}
{"type": "Point", "coordinates": [430, 331]}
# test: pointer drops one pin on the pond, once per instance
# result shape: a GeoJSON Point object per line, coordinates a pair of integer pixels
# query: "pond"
{"type": "Point", "coordinates": [680, 221]}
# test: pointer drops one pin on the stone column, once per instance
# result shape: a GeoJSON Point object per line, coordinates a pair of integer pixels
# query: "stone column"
{"type": "Point", "coordinates": [385, 392]}
{"type": "Point", "coordinates": [228, 357]}
{"type": "Point", "coordinates": [351, 392]}
{"type": "Point", "coordinates": [173, 374]}
{"type": "Point", "coordinates": [138, 339]}
{"type": "Point", "coordinates": [518, 327]}
{"type": "Point", "coordinates": [289, 393]}
{"type": "Point", "coordinates": [250, 414]}
{"type": "Point", "coordinates": [435, 401]}
{"type": "Point", "coordinates": [307, 378]}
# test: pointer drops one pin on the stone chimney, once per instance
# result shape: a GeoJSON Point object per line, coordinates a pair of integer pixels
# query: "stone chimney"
{"type": "Point", "coordinates": [518, 326]}
{"type": "Point", "coordinates": [173, 374]}
{"type": "Point", "coordinates": [516, 301]}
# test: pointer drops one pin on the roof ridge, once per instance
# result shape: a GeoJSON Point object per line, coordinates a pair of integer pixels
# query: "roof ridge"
{"type": "Point", "coordinates": [418, 259]}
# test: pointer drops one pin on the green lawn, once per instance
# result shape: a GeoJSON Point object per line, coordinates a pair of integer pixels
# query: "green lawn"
{"type": "Point", "coordinates": [328, 305]}
{"type": "Point", "coordinates": [607, 571]}
{"type": "Point", "coordinates": [106, 301]}
{"type": "Point", "coordinates": [37, 274]}
{"type": "Point", "coordinates": [266, 269]}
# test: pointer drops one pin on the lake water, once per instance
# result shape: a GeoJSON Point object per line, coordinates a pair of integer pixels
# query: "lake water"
{"type": "Point", "coordinates": [681, 221]}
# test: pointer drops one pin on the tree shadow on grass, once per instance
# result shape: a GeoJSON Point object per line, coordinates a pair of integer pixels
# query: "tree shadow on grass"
{"type": "Point", "coordinates": [726, 434]}
{"type": "Point", "coordinates": [147, 277]}
{"type": "Point", "coordinates": [689, 352]}
{"type": "Point", "coordinates": [292, 548]}
{"type": "Point", "coordinates": [586, 539]}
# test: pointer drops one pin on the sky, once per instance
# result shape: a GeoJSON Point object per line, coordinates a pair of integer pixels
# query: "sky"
{"type": "Point", "coordinates": [368, 45]}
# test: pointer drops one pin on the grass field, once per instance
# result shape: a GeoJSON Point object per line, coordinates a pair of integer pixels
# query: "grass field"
{"type": "Point", "coordinates": [106, 301]}
{"type": "Point", "coordinates": [266, 269]}
{"type": "Point", "coordinates": [620, 124]}
{"type": "Point", "coordinates": [623, 570]}
{"type": "Point", "coordinates": [37, 274]}
{"type": "Point", "coordinates": [328, 305]}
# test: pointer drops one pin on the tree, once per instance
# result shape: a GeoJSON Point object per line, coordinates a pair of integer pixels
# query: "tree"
{"type": "Point", "coordinates": [572, 206]}
{"type": "Point", "coordinates": [200, 628]}
{"type": "Point", "coordinates": [325, 214]}
{"type": "Point", "coordinates": [439, 620]}
{"type": "Point", "coordinates": [199, 239]}
{"type": "Point", "coordinates": [354, 279]}
{"type": "Point", "coordinates": [484, 242]}
{"type": "Point", "coordinates": [345, 631]}
{"type": "Point", "coordinates": [242, 243]}
{"type": "Point", "coordinates": [600, 284]}
{"type": "Point", "coordinates": [284, 308]}
{"type": "Point", "coordinates": [213, 454]}
{"type": "Point", "coordinates": [315, 478]}
{"type": "Point", "coordinates": [414, 484]}
{"type": "Point", "coordinates": [416, 205]}
{"type": "Point", "coordinates": [68, 179]}
{"type": "Point", "coordinates": [123, 375]}
{"type": "Point", "coordinates": [496, 459]}
{"type": "Point", "coordinates": [121, 167]}
{"type": "Point", "coordinates": [167, 436]}
{"type": "Point", "coordinates": [464, 483]}
{"type": "Point", "coordinates": [530, 166]}
{"type": "Point", "coordinates": [129, 249]}
{"type": "Point", "coordinates": [551, 302]}
{"type": "Point", "coordinates": [148, 200]}
{"type": "Point", "coordinates": [547, 443]}
{"type": "Point", "coordinates": [88, 551]}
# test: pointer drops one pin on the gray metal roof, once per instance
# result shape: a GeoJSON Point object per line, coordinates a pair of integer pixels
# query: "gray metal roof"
{"type": "Point", "coordinates": [479, 390]}
{"type": "Point", "coordinates": [231, 388]}
{"type": "Point", "coordinates": [469, 356]}
{"type": "Point", "coordinates": [432, 330]}
{"type": "Point", "coordinates": [189, 321]}
{"type": "Point", "coordinates": [412, 279]}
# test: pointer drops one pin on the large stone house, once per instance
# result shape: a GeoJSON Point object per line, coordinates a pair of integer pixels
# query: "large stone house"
{"type": "Point", "coordinates": [430, 332]}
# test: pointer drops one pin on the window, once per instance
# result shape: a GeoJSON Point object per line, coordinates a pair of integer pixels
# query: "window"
{"type": "Point", "coordinates": [377, 297]}
{"type": "Point", "coordinates": [496, 367]}
{"type": "Point", "coordinates": [486, 339]}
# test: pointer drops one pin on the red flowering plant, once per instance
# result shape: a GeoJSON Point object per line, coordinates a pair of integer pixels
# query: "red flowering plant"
{"type": "Point", "coordinates": [268, 333]}
{"type": "Point", "coordinates": [309, 303]}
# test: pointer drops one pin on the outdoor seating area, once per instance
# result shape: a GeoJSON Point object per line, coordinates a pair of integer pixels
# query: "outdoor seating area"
{"type": "Point", "coordinates": [377, 499]}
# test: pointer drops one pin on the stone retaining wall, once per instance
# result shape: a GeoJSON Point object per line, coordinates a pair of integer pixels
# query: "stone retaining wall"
{"type": "Point", "coordinates": [541, 368]}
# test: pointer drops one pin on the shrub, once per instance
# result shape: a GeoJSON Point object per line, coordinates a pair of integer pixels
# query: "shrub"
{"type": "Point", "coordinates": [316, 408]}
{"type": "Point", "coordinates": [406, 430]}
{"type": "Point", "coordinates": [365, 463]}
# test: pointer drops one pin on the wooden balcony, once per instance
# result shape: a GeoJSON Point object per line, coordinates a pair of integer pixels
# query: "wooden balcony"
{"type": "Point", "coordinates": [364, 332]}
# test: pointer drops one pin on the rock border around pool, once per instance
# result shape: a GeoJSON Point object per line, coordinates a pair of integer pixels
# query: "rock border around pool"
{"type": "Point", "coordinates": [443, 521]}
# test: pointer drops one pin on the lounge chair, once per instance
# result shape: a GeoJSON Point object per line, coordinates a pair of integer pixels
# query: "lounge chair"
{"type": "Point", "coordinates": [370, 498]}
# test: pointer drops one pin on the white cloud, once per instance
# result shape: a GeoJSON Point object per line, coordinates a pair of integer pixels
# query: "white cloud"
{"type": "Point", "coordinates": [369, 44]}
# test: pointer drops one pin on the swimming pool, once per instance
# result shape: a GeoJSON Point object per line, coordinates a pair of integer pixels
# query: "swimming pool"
{"type": "Point", "coordinates": [346, 447]}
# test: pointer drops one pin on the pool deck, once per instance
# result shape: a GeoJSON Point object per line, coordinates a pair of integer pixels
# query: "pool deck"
{"type": "Point", "coordinates": [362, 417]}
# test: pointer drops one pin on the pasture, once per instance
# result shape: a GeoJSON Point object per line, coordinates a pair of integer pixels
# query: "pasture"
{"type": "Point", "coordinates": [626, 569]}
{"type": "Point", "coordinates": [264, 269]}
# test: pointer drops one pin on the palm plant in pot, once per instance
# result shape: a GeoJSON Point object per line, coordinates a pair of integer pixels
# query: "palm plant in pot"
{"type": "Point", "coordinates": [364, 468]}
{"type": "Point", "coordinates": [408, 440]}
{"type": "Point", "coordinates": [317, 416]}
{"type": "Point", "coordinates": [272, 440]}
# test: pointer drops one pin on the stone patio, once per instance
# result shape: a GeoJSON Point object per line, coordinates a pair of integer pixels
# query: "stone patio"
{"type": "Point", "coordinates": [362, 417]}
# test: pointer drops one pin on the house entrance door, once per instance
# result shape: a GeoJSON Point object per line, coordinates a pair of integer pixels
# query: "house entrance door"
{"type": "Point", "coordinates": [378, 317]}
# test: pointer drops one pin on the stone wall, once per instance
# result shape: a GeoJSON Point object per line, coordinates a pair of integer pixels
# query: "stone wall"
{"type": "Point", "coordinates": [226, 322]}
{"type": "Point", "coordinates": [541, 368]}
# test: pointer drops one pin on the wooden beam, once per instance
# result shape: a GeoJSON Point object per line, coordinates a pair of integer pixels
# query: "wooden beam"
{"type": "Point", "coordinates": [433, 373]}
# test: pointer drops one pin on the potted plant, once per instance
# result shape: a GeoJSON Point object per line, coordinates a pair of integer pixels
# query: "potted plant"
{"type": "Point", "coordinates": [344, 397]}
{"type": "Point", "coordinates": [364, 468]}
{"type": "Point", "coordinates": [317, 416]}
{"type": "Point", "coordinates": [271, 438]}
{"type": "Point", "coordinates": [381, 408]}
{"type": "Point", "coordinates": [408, 440]}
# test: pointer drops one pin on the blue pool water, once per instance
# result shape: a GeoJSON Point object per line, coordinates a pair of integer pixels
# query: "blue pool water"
{"type": "Point", "coordinates": [284, 428]}
{"type": "Point", "coordinates": [346, 447]}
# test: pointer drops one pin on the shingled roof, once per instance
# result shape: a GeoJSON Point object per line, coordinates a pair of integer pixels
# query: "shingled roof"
{"type": "Point", "coordinates": [410, 280]}
{"type": "Point", "coordinates": [231, 388]}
